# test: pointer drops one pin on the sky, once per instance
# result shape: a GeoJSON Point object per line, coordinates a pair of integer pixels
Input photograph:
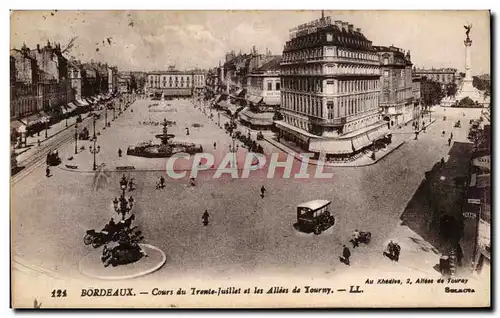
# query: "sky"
{"type": "Point", "coordinates": [154, 40]}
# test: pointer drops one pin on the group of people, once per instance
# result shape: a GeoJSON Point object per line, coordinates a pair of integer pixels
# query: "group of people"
{"type": "Point", "coordinates": [393, 251]}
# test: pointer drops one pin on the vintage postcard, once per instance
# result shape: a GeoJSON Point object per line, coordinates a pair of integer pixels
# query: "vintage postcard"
{"type": "Point", "coordinates": [250, 159]}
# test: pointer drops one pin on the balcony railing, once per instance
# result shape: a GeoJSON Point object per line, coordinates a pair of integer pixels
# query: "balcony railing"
{"type": "Point", "coordinates": [334, 121]}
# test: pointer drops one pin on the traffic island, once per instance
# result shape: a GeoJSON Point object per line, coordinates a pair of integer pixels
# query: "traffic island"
{"type": "Point", "coordinates": [92, 266]}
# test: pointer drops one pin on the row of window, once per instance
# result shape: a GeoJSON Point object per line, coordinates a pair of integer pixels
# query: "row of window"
{"type": "Point", "coordinates": [358, 86]}
{"type": "Point", "coordinates": [348, 106]}
{"type": "Point", "coordinates": [308, 105]}
{"type": "Point", "coordinates": [330, 69]}
{"type": "Point", "coordinates": [170, 84]}
{"type": "Point", "coordinates": [302, 124]}
{"type": "Point", "coordinates": [327, 51]}
{"type": "Point", "coordinates": [343, 106]}
{"type": "Point", "coordinates": [399, 95]}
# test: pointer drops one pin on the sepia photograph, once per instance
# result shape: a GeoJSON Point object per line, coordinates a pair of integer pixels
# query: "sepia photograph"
{"type": "Point", "coordinates": [250, 159]}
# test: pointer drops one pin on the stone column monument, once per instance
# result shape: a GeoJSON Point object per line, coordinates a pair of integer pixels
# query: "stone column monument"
{"type": "Point", "coordinates": [467, 89]}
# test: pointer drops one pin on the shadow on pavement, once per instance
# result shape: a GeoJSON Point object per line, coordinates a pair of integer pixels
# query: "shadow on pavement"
{"type": "Point", "coordinates": [435, 210]}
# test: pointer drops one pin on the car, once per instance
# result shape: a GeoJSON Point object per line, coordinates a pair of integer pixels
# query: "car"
{"type": "Point", "coordinates": [314, 216]}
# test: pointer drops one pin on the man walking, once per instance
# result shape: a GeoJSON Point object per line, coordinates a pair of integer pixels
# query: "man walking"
{"type": "Point", "coordinates": [119, 152]}
{"type": "Point", "coordinates": [47, 172]}
{"type": "Point", "coordinates": [346, 255]}
{"type": "Point", "coordinates": [262, 192]}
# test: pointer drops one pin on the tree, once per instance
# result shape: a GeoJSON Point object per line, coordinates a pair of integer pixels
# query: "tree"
{"type": "Point", "coordinates": [451, 89]}
{"type": "Point", "coordinates": [133, 83]}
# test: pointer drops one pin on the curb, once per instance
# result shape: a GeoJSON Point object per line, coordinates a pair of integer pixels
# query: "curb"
{"type": "Point", "coordinates": [131, 276]}
{"type": "Point", "coordinates": [315, 162]}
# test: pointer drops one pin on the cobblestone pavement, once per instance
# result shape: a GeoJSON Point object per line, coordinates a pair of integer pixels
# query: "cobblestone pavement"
{"type": "Point", "coordinates": [247, 235]}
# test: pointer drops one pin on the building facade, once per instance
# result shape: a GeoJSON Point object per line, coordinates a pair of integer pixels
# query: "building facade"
{"type": "Point", "coordinates": [171, 83]}
{"type": "Point", "coordinates": [263, 92]}
{"type": "Point", "coordinates": [443, 76]}
{"type": "Point", "coordinates": [417, 97]}
{"type": "Point", "coordinates": [23, 83]}
{"type": "Point", "coordinates": [396, 86]}
{"type": "Point", "coordinates": [330, 87]}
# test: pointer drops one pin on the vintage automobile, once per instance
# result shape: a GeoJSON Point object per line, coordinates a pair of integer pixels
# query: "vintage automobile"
{"type": "Point", "coordinates": [314, 216]}
{"type": "Point", "coordinates": [53, 158]}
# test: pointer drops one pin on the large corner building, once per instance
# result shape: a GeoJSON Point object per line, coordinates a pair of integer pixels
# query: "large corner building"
{"type": "Point", "coordinates": [330, 78]}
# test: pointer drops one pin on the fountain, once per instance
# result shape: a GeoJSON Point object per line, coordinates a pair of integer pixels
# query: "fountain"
{"type": "Point", "coordinates": [165, 149]}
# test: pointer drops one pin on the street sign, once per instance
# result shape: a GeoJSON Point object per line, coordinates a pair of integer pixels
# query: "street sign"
{"type": "Point", "coordinates": [469, 215]}
{"type": "Point", "coordinates": [474, 201]}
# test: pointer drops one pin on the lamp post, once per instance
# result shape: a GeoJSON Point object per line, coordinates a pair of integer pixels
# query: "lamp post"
{"type": "Point", "coordinates": [45, 120]}
{"type": "Point", "coordinates": [218, 119]}
{"type": "Point", "coordinates": [123, 184]}
{"type": "Point", "coordinates": [96, 149]}
{"type": "Point", "coordinates": [106, 116]}
{"type": "Point", "coordinates": [76, 138]}
{"type": "Point", "coordinates": [123, 206]}
{"type": "Point", "coordinates": [114, 115]}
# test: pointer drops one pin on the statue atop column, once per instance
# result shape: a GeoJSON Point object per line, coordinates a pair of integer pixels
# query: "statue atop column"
{"type": "Point", "coordinates": [468, 28]}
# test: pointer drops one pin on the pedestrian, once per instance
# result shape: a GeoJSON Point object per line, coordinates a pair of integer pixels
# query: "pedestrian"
{"type": "Point", "coordinates": [215, 145]}
{"type": "Point", "coordinates": [397, 251]}
{"type": "Point", "coordinates": [47, 172]}
{"type": "Point", "coordinates": [38, 142]}
{"type": "Point", "coordinates": [162, 182]}
{"type": "Point", "coordinates": [442, 162]}
{"type": "Point", "coordinates": [346, 255]}
{"type": "Point", "coordinates": [262, 191]}
{"type": "Point", "coordinates": [451, 136]}
{"type": "Point", "coordinates": [205, 217]}
{"type": "Point", "coordinates": [449, 141]}
{"type": "Point", "coordinates": [119, 152]}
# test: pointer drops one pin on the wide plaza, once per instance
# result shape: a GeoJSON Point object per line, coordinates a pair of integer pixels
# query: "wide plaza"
{"type": "Point", "coordinates": [247, 234]}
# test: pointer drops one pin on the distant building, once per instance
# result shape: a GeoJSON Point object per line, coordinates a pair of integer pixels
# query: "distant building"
{"type": "Point", "coordinates": [112, 79]}
{"type": "Point", "coordinates": [24, 83]}
{"type": "Point", "coordinates": [263, 92]}
{"type": "Point", "coordinates": [171, 83]}
{"type": "Point", "coordinates": [443, 76]}
{"type": "Point", "coordinates": [330, 87]}
{"type": "Point", "coordinates": [417, 96]}
{"type": "Point", "coordinates": [396, 87]}
{"type": "Point", "coordinates": [199, 82]}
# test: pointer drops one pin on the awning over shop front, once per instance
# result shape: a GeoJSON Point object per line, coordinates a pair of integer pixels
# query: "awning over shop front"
{"type": "Point", "coordinates": [71, 107]}
{"type": "Point", "coordinates": [254, 99]}
{"type": "Point", "coordinates": [16, 124]}
{"type": "Point", "coordinates": [224, 104]}
{"type": "Point", "coordinates": [361, 141]}
{"type": "Point", "coordinates": [378, 132]}
{"type": "Point", "coordinates": [177, 92]}
{"type": "Point", "coordinates": [31, 120]}
{"type": "Point", "coordinates": [80, 103]}
{"type": "Point", "coordinates": [331, 146]}
{"type": "Point", "coordinates": [262, 119]}
{"type": "Point", "coordinates": [239, 92]}
{"type": "Point", "coordinates": [297, 132]}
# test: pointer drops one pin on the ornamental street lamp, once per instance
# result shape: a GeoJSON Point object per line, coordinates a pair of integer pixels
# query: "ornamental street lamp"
{"type": "Point", "coordinates": [45, 120]}
{"type": "Point", "coordinates": [76, 138]}
{"type": "Point", "coordinates": [123, 184]}
{"type": "Point", "coordinates": [106, 116]}
{"type": "Point", "coordinates": [123, 206]}
{"type": "Point", "coordinates": [96, 149]}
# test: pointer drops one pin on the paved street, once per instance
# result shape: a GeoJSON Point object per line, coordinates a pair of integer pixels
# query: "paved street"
{"type": "Point", "coordinates": [246, 235]}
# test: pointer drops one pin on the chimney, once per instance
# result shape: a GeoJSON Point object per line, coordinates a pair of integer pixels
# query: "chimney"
{"type": "Point", "coordinates": [350, 27]}
{"type": "Point", "coordinates": [358, 30]}
{"type": "Point", "coordinates": [338, 24]}
{"type": "Point", "coordinates": [344, 26]}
